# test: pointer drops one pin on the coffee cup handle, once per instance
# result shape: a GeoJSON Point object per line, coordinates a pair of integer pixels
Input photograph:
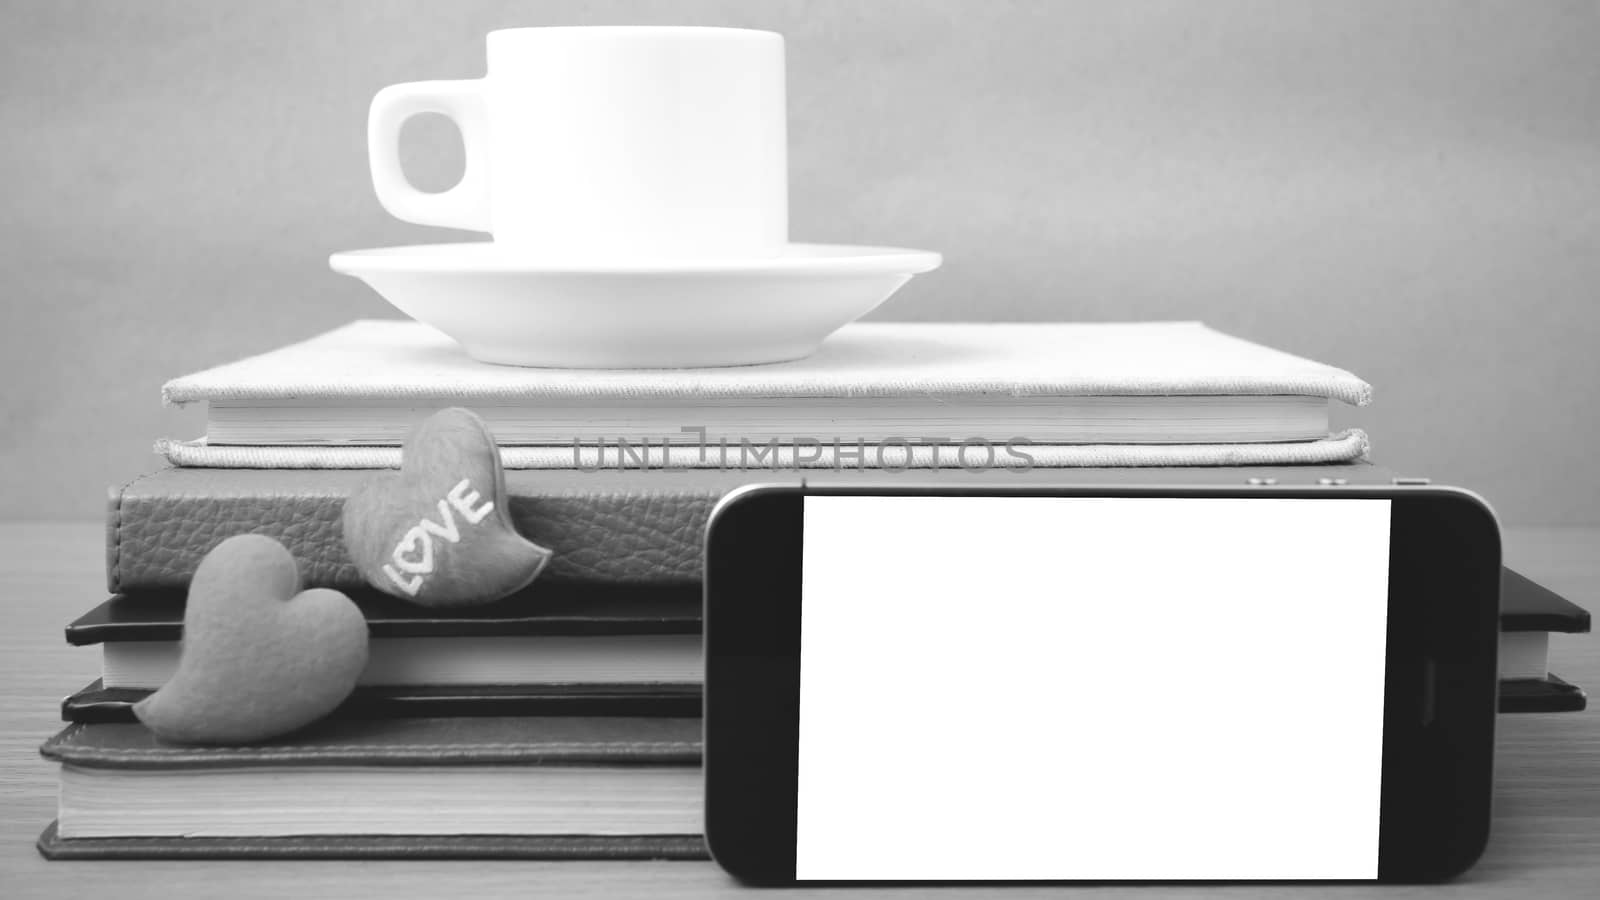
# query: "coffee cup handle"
{"type": "Point", "coordinates": [464, 206]}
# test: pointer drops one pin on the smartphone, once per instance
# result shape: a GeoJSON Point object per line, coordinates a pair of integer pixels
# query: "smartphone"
{"type": "Point", "coordinates": [1100, 684]}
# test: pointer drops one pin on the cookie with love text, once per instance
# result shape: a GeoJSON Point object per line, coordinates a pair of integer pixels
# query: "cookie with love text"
{"type": "Point", "coordinates": [438, 532]}
{"type": "Point", "coordinates": [260, 657]}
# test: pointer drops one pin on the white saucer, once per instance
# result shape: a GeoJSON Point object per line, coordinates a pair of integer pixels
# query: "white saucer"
{"type": "Point", "coordinates": [505, 308]}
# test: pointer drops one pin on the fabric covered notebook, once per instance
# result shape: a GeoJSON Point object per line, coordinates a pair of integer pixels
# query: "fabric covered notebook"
{"type": "Point", "coordinates": [1073, 394]}
{"type": "Point", "coordinates": [585, 787]}
{"type": "Point", "coordinates": [630, 527]}
{"type": "Point", "coordinates": [686, 453]}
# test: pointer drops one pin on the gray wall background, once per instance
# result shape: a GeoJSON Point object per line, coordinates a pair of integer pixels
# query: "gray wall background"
{"type": "Point", "coordinates": [1410, 190]}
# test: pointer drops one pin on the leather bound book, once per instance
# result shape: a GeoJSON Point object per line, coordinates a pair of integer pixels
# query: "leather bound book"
{"type": "Point", "coordinates": [1529, 614]}
{"type": "Point", "coordinates": [609, 527]}
{"type": "Point", "coordinates": [629, 527]}
{"type": "Point", "coordinates": [551, 650]}
{"type": "Point", "coordinates": [597, 788]}
{"type": "Point", "coordinates": [539, 610]}
{"type": "Point", "coordinates": [609, 638]}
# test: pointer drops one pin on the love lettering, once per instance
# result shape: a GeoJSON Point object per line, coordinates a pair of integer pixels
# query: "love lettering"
{"type": "Point", "coordinates": [413, 556]}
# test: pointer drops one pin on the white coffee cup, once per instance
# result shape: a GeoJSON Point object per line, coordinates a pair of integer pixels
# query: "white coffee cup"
{"type": "Point", "coordinates": [610, 143]}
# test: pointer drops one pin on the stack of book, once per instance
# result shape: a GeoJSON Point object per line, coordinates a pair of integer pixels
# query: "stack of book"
{"type": "Point", "coordinates": [560, 725]}
{"type": "Point", "coordinates": [563, 722]}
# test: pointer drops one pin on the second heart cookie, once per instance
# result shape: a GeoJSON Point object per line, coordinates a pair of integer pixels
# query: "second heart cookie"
{"type": "Point", "coordinates": [438, 532]}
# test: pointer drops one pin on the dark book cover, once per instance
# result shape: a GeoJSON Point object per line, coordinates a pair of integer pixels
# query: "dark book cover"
{"type": "Point", "coordinates": [1526, 605]}
{"type": "Point", "coordinates": [1549, 694]}
{"type": "Point", "coordinates": [540, 609]}
{"type": "Point", "coordinates": [52, 845]}
{"type": "Point", "coordinates": [96, 703]}
{"type": "Point", "coordinates": [487, 741]}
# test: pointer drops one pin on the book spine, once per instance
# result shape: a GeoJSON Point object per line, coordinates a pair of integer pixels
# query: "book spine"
{"type": "Point", "coordinates": [156, 540]}
{"type": "Point", "coordinates": [1346, 446]}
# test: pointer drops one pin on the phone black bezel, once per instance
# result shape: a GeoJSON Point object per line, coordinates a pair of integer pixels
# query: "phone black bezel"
{"type": "Point", "coordinates": [1440, 691]}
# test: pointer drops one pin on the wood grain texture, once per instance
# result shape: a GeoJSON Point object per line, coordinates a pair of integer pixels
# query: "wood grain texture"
{"type": "Point", "coordinates": [1546, 834]}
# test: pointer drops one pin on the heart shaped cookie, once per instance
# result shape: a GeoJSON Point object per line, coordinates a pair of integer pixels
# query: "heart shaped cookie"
{"type": "Point", "coordinates": [260, 657]}
{"type": "Point", "coordinates": [438, 532]}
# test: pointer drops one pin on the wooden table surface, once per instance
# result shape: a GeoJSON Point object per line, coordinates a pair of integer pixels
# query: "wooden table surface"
{"type": "Point", "coordinates": [1546, 839]}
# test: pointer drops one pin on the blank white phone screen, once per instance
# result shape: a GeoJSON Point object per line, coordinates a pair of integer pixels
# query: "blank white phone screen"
{"type": "Point", "coordinates": [1000, 688]}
